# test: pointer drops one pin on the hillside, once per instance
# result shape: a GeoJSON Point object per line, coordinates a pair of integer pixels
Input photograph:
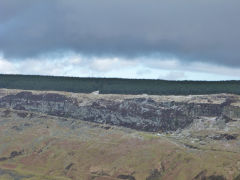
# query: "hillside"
{"type": "Point", "coordinates": [60, 135]}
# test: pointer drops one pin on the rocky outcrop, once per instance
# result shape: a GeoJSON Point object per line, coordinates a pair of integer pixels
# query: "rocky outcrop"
{"type": "Point", "coordinates": [202, 175]}
{"type": "Point", "coordinates": [147, 113]}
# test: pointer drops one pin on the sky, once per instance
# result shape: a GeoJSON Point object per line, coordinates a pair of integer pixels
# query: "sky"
{"type": "Point", "coordinates": [147, 39]}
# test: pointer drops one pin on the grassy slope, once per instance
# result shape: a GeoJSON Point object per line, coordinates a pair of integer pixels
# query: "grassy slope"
{"type": "Point", "coordinates": [51, 145]}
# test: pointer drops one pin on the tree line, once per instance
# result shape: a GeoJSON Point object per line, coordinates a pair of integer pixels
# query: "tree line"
{"type": "Point", "coordinates": [118, 85]}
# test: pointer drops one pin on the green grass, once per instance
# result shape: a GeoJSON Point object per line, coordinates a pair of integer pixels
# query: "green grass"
{"type": "Point", "coordinates": [117, 85]}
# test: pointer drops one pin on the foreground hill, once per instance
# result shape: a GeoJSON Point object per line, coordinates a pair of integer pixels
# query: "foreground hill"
{"type": "Point", "coordinates": [118, 86]}
{"type": "Point", "coordinates": [59, 135]}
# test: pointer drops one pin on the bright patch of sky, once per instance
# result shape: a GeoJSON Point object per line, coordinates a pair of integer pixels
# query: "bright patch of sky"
{"type": "Point", "coordinates": [72, 64]}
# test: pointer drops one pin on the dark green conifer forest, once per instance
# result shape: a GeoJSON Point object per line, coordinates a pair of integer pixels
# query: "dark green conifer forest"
{"type": "Point", "coordinates": [117, 85]}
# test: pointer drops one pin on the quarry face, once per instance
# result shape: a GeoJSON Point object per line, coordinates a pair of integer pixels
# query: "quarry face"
{"type": "Point", "coordinates": [60, 135]}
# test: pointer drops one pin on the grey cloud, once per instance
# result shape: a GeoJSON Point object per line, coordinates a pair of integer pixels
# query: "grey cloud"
{"type": "Point", "coordinates": [201, 30]}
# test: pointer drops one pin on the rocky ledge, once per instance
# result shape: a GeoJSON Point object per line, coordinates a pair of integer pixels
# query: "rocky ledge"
{"type": "Point", "coordinates": [141, 112]}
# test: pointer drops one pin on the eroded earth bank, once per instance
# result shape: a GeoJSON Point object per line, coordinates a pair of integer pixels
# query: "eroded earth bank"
{"type": "Point", "coordinates": [59, 135]}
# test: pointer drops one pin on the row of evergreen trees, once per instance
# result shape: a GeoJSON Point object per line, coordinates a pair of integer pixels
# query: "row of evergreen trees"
{"type": "Point", "coordinates": [118, 86]}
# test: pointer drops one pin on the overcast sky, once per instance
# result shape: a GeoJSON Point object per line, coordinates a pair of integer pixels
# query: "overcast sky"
{"type": "Point", "coordinates": [157, 39]}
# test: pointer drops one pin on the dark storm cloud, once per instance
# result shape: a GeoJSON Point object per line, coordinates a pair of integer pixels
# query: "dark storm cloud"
{"type": "Point", "coordinates": [192, 30]}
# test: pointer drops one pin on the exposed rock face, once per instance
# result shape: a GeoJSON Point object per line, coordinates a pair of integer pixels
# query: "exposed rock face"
{"type": "Point", "coordinates": [42, 133]}
{"type": "Point", "coordinates": [148, 113]}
